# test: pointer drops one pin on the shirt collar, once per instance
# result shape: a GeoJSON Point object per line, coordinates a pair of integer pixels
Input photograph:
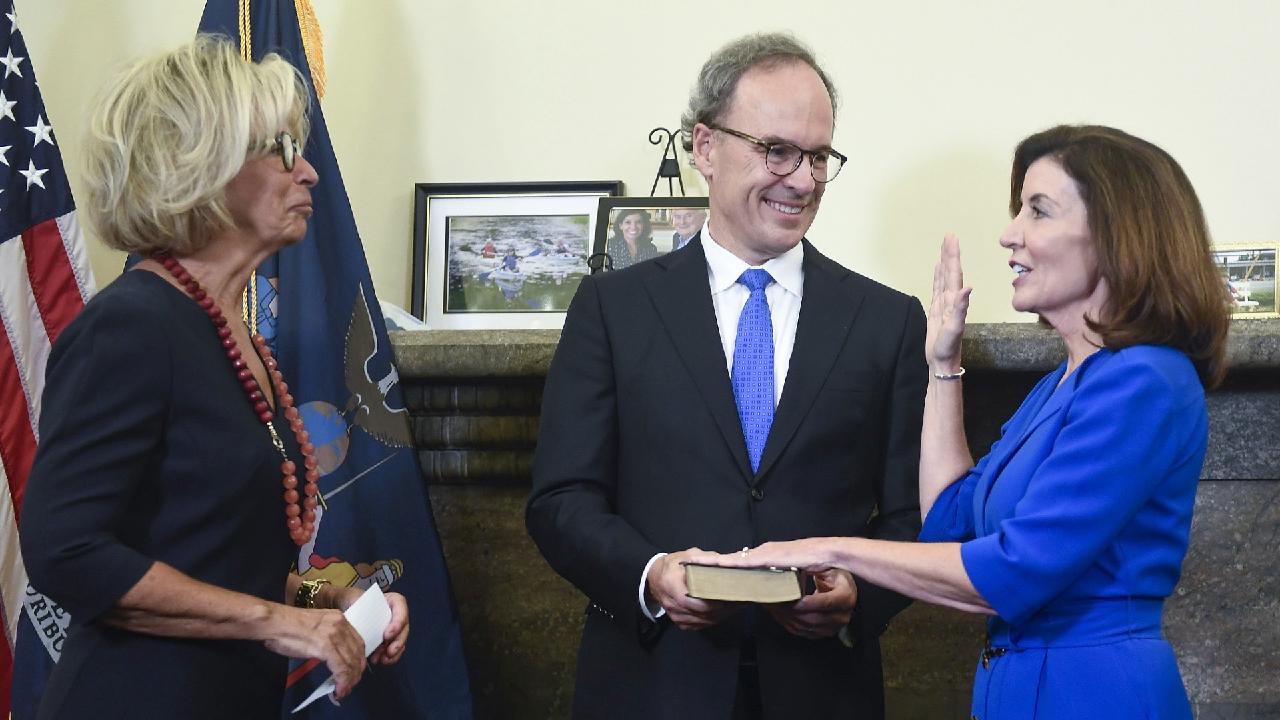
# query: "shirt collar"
{"type": "Point", "coordinates": [725, 268]}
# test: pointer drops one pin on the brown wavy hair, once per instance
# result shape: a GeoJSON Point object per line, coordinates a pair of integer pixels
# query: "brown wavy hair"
{"type": "Point", "coordinates": [1151, 240]}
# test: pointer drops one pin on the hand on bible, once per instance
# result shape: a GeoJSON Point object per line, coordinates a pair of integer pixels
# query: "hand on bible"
{"type": "Point", "coordinates": [823, 613]}
{"type": "Point", "coordinates": [666, 586]}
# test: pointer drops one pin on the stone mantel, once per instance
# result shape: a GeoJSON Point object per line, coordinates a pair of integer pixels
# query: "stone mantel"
{"type": "Point", "coordinates": [474, 353]}
{"type": "Point", "coordinates": [441, 354]}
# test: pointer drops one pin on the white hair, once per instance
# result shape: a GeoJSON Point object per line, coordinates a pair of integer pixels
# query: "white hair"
{"type": "Point", "coordinates": [168, 134]}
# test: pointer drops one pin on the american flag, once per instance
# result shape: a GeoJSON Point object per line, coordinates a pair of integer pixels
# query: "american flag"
{"type": "Point", "coordinates": [44, 281]}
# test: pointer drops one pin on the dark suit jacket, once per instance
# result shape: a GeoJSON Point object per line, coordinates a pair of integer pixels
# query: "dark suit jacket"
{"type": "Point", "coordinates": [613, 485]}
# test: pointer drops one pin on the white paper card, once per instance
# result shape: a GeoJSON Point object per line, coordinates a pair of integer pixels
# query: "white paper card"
{"type": "Point", "coordinates": [370, 616]}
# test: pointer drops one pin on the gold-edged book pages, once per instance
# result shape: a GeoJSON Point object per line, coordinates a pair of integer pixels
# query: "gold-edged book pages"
{"type": "Point", "coordinates": [758, 585]}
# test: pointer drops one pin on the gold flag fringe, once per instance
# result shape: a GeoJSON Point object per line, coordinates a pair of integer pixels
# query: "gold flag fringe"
{"type": "Point", "coordinates": [312, 44]}
{"type": "Point", "coordinates": [312, 40]}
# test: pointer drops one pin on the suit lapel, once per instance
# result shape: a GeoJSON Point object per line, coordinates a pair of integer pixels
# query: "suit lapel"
{"type": "Point", "coordinates": [683, 299]}
{"type": "Point", "coordinates": [827, 312]}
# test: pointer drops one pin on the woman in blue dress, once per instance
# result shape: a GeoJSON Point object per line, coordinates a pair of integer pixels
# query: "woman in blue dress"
{"type": "Point", "coordinates": [1070, 533]}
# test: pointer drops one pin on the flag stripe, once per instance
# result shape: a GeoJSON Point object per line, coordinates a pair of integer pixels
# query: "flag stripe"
{"type": "Point", "coordinates": [17, 384]}
{"type": "Point", "coordinates": [17, 444]}
{"type": "Point", "coordinates": [53, 285]}
{"type": "Point", "coordinates": [300, 671]}
{"type": "Point", "coordinates": [28, 341]}
{"type": "Point", "coordinates": [77, 254]}
{"type": "Point", "coordinates": [13, 576]}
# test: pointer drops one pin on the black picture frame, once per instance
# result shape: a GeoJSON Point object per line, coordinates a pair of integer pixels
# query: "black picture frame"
{"type": "Point", "coordinates": [658, 211]}
{"type": "Point", "coordinates": [437, 206]}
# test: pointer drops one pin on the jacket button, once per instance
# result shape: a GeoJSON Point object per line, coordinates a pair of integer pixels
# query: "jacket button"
{"type": "Point", "coordinates": [757, 494]}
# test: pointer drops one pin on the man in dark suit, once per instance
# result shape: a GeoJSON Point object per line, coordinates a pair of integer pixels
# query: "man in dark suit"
{"type": "Point", "coordinates": [742, 389]}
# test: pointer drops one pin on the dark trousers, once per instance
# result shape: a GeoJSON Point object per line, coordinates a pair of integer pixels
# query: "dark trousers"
{"type": "Point", "coordinates": [747, 704]}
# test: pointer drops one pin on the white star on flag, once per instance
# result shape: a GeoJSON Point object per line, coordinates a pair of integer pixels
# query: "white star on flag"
{"type": "Point", "coordinates": [33, 175]}
{"type": "Point", "coordinates": [6, 107]}
{"type": "Point", "coordinates": [42, 132]}
{"type": "Point", "coordinates": [13, 19]}
{"type": "Point", "coordinates": [11, 63]}
{"type": "Point", "coordinates": [4, 154]}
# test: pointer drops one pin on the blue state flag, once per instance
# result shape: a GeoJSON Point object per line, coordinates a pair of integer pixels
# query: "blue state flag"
{"type": "Point", "coordinates": [317, 302]}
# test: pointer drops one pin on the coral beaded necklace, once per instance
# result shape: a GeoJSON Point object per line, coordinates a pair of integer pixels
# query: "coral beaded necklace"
{"type": "Point", "coordinates": [299, 519]}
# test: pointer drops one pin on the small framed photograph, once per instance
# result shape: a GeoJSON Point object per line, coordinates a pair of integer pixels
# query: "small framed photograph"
{"type": "Point", "coordinates": [632, 229]}
{"type": "Point", "coordinates": [501, 255]}
{"type": "Point", "coordinates": [1248, 272]}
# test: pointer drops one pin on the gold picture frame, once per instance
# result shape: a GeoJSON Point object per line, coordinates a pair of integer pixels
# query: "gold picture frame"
{"type": "Point", "coordinates": [1249, 272]}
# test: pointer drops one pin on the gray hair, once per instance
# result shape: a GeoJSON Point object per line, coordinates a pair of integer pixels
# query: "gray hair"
{"type": "Point", "coordinates": [169, 133]}
{"type": "Point", "coordinates": [718, 80]}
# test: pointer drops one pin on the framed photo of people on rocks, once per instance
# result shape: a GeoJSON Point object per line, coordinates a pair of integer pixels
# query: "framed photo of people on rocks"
{"type": "Point", "coordinates": [501, 255]}
{"type": "Point", "coordinates": [1248, 273]}
{"type": "Point", "coordinates": [629, 230]}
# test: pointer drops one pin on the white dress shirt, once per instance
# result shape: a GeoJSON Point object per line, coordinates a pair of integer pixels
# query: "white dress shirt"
{"type": "Point", "coordinates": [728, 297]}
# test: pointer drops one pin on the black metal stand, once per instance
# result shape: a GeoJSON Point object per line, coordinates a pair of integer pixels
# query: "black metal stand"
{"type": "Point", "coordinates": [670, 166]}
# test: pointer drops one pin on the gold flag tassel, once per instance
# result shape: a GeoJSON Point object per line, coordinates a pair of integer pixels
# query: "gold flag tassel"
{"type": "Point", "coordinates": [246, 32]}
{"type": "Point", "coordinates": [249, 298]}
{"type": "Point", "coordinates": [312, 44]}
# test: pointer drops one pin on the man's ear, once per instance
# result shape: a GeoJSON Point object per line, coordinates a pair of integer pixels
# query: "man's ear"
{"type": "Point", "coordinates": [702, 150]}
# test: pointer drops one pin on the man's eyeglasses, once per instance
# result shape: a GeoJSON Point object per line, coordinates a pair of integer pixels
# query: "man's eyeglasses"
{"type": "Point", "coordinates": [782, 158]}
{"type": "Point", "coordinates": [288, 148]}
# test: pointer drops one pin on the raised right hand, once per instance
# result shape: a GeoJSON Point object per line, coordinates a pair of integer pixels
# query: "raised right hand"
{"type": "Point", "coordinates": [322, 634]}
{"type": "Point", "coordinates": [947, 311]}
{"type": "Point", "coordinates": [666, 586]}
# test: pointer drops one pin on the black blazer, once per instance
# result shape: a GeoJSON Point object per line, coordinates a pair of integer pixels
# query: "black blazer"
{"type": "Point", "coordinates": [613, 484]}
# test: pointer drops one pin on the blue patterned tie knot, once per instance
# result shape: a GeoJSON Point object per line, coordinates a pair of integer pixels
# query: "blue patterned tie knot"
{"type": "Point", "coordinates": [753, 365]}
{"type": "Point", "coordinates": [756, 279]}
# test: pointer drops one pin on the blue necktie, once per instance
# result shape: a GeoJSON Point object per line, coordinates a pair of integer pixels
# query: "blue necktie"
{"type": "Point", "coordinates": [753, 365]}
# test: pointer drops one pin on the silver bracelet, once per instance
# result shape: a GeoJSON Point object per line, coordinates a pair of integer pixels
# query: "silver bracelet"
{"type": "Point", "coordinates": [950, 376]}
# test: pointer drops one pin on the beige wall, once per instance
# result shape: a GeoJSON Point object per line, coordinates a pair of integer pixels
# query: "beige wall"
{"type": "Point", "coordinates": [936, 94]}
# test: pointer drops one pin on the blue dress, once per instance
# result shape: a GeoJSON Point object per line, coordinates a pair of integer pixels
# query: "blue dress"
{"type": "Point", "coordinates": [1074, 527]}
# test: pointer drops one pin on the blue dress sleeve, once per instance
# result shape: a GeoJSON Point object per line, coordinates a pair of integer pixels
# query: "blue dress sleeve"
{"type": "Point", "coordinates": [951, 517]}
{"type": "Point", "coordinates": [1128, 427]}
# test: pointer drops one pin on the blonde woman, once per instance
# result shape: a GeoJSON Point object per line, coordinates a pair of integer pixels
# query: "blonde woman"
{"type": "Point", "coordinates": [174, 480]}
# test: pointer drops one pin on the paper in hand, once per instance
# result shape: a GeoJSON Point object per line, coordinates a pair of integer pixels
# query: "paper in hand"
{"type": "Point", "coordinates": [370, 616]}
